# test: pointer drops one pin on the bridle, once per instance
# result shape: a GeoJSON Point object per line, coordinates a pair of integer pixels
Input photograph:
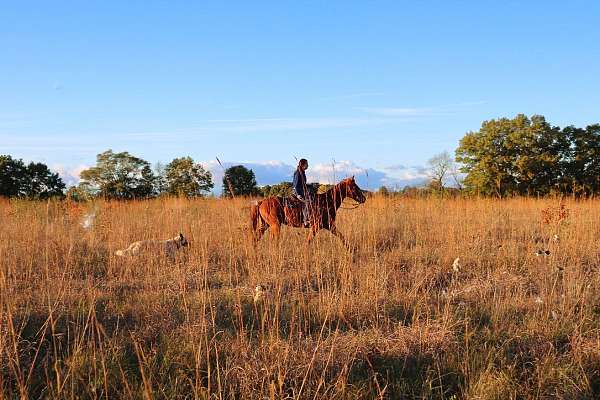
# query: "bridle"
{"type": "Point", "coordinates": [353, 206]}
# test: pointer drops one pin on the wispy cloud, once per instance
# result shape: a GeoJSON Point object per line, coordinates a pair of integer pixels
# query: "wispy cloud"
{"type": "Point", "coordinates": [49, 147]}
{"type": "Point", "coordinates": [251, 125]}
{"type": "Point", "coordinates": [11, 121]}
{"type": "Point", "coordinates": [396, 167]}
{"type": "Point", "coordinates": [353, 96]}
{"type": "Point", "coordinates": [399, 111]}
{"type": "Point", "coordinates": [395, 112]}
{"type": "Point", "coordinates": [265, 125]}
{"type": "Point", "coordinates": [378, 116]}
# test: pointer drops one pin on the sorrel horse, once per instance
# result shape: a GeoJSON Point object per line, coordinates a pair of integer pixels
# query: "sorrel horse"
{"type": "Point", "coordinates": [272, 212]}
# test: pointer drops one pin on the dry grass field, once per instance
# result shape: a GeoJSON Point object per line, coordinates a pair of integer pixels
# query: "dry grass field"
{"type": "Point", "coordinates": [396, 317]}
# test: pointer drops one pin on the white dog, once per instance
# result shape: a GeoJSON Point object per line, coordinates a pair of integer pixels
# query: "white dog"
{"type": "Point", "coordinates": [168, 247]}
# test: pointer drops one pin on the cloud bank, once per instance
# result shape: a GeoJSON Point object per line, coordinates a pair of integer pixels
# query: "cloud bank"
{"type": "Point", "coordinates": [69, 175]}
{"type": "Point", "coordinates": [273, 172]}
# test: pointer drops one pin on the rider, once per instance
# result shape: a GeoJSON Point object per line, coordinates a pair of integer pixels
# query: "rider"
{"type": "Point", "coordinates": [300, 188]}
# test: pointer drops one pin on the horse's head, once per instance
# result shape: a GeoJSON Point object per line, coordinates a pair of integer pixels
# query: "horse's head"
{"type": "Point", "coordinates": [354, 192]}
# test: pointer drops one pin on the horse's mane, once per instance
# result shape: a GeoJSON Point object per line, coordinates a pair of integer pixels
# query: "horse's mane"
{"type": "Point", "coordinates": [338, 185]}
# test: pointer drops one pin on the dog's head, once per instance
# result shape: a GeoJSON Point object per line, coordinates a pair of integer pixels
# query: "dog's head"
{"type": "Point", "coordinates": [182, 240]}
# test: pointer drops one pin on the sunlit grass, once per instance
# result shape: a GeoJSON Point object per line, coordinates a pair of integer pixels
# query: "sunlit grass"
{"type": "Point", "coordinates": [440, 298]}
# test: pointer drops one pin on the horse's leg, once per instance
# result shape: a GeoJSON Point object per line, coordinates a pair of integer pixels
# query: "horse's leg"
{"type": "Point", "coordinates": [259, 229]}
{"type": "Point", "coordinates": [275, 231]}
{"type": "Point", "coordinates": [259, 233]}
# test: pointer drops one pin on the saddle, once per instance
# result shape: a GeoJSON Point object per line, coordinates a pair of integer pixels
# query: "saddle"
{"type": "Point", "coordinates": [292, 202]}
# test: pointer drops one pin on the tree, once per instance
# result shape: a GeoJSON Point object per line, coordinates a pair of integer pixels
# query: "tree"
{"type": "Point", "coordinates": [160, 178]}
{"type": "Point", "coordinates": [186, 178]}
{"type": "Point", "coordinates": [12, 176]}
{"type": "Point", "coordinates": [146, 184]}
{"type": "Point", "coordinates": [41, 183]}
{"type": "Point", "coordinates": [34, 181]}
{"type": "Point", "coordinates": [282, 189]}
{"type": "Point", "coordinates": [440, 166]}
{"type": "Point", "coordinates": [242, 181]}
{"type": "Point", "coordinates": [513, 156]}
{"type": "Point", "coordinates": [119, 176]}
{"type": "Point", "coordinates": [581, 166]}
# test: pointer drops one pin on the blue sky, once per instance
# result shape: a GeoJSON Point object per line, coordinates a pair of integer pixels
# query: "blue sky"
{"type": "Point", "coordinates": [376, 86]}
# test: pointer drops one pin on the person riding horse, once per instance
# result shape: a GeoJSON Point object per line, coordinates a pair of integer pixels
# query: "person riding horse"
{"type": "Point", "coordinates": [300, 189]}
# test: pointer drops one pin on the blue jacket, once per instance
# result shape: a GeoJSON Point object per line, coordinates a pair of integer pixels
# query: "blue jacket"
{"type": "Point", "coordinates": [299, 184]}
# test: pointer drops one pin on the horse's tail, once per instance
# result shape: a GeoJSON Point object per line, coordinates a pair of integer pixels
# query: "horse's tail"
{"type": "Point", "coordinates": [255, 218]}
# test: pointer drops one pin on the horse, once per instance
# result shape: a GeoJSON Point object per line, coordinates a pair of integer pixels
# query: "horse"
{"type": "Point", "coordinates": [275, 211]}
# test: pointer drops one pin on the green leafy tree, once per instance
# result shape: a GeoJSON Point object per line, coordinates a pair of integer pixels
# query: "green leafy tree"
{"type": "Point", "coordinates": [34, 181]}
{"type": "Point", "coordinates": [186, 178]}
{"type": "Point", "coordinates": [581, 166]}
{"type": "Point", "coordinates": [285, 189]}
{"type": "Point", "coordinates": [282, 189]}
{"type": "Point", "coordinates": [242, 181]}
{"type": "Point", "coordinates": [41, 183]}
{"type": "Point", "coordinates": [513, 156]}
{"type": "Point", "coordinates": [265, 190]}
{"type": "Point", "coordinates": [119, 176]}
{"type": "Point", "coordinates": [146, 186]}
{"type": "Point", "coordinates": [13, 174]}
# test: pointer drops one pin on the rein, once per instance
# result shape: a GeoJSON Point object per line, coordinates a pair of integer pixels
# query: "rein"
{"type": "Point", "coordinates": [352, 207]}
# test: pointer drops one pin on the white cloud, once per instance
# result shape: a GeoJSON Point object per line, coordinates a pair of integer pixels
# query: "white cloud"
{"type": "Point", "coordinates": [267, 173]}
{"type": "Point", "coordinates": [333, 172]}
{"type": "Point", "coordinates": [398, 112]}
{"type": "Point", "coordinates": [273, 172]}
{"type": "Point", "coordinates": [69, 175]}
{"type": "Point", "coordinates": [400, 176]}
{"type": "Point", "coordinates": [263, 125]}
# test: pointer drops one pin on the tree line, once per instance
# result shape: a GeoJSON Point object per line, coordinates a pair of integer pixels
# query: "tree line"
{"type": "Point", "coordinates": [520, 156]}
{"type": "Point", "coordinates": [125, 176]}
{"type": "Point", "coordinates": [505, 157]}
{"type": "Point", "coordinates": [121, 176]}
{"type": "Point", "coordinates": [528, 156]}
{"type": "Point", "coordinates": [32, 181]}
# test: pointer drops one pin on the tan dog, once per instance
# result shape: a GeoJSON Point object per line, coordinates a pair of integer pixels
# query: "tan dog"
{"type": "Point", "coordinates": [168, 247]}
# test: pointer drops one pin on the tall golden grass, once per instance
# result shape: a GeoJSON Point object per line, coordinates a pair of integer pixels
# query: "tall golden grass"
{"type": "Point", "coordinates": [394, 318]}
